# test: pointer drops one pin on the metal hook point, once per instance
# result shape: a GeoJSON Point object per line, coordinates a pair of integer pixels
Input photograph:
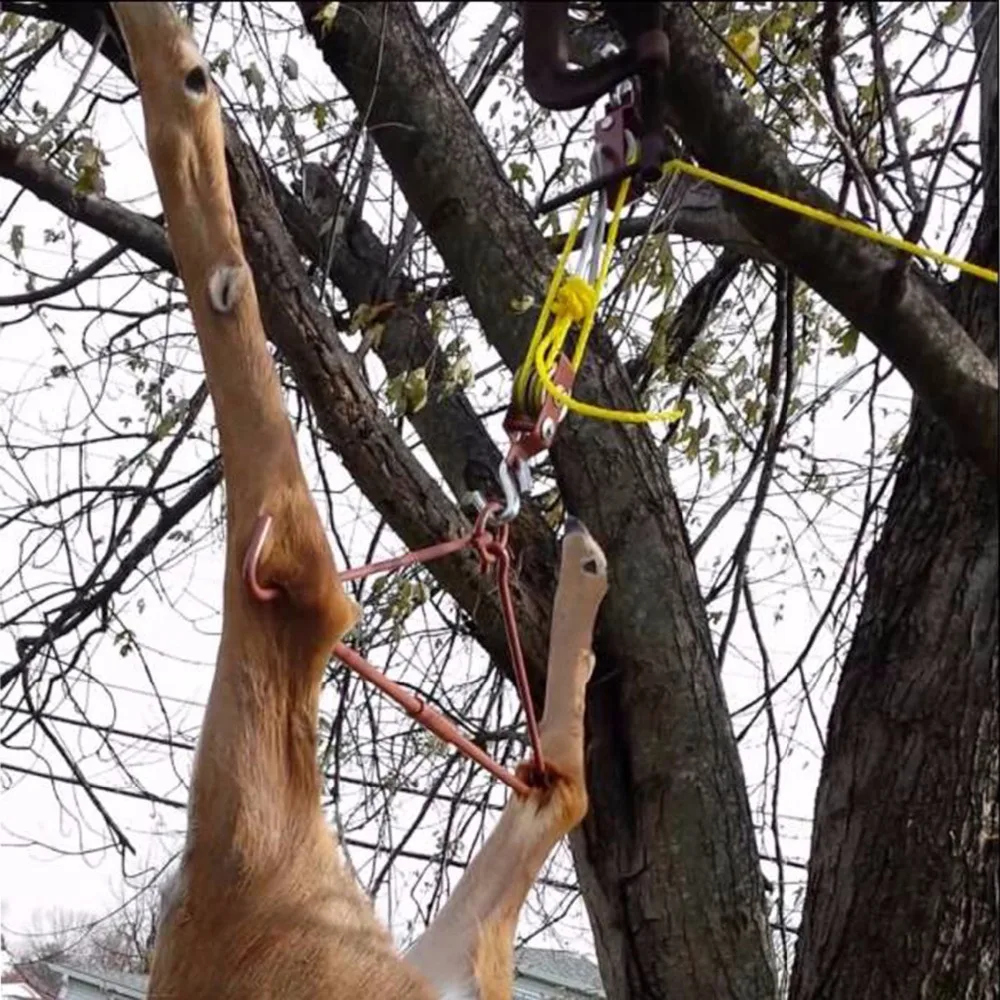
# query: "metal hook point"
{"type": "Point", "coordinates": [515, 479]}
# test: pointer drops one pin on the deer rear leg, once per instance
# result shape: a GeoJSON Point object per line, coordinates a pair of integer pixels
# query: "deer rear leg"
{"type": "Point", "coordinates": [469, 946]}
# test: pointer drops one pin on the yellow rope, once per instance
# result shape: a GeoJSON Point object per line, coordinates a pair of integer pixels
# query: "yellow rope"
{"type": "Point", "coordinates": [575, 300]}
{"type": "Point", "coordinates": [827, 218]}
{"type": "Point", "coordinates": [521, 375]}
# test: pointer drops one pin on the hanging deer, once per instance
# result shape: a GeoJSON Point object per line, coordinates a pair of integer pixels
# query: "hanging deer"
{"type": "Point", "coordinates": [264, 905]}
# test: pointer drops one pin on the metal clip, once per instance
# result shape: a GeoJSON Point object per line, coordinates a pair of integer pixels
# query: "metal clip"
{"type": "Point", "coordinates": [514, 476]}
{"type": "Point", "coordinates": [592, 246]}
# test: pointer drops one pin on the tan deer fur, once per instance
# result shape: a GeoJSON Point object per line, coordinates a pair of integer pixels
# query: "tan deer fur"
{"type": "Point", "coordinates": [264, 906]}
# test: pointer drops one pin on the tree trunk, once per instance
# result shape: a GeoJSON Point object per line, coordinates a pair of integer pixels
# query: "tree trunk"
{"type": "Point", "coordinates": [902, 895]}
{"type": "Point", "coordinates": [666, 857]}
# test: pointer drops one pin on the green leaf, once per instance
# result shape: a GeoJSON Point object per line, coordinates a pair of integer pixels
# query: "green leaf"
{"type": "Point", "coordinates": [866, 95]}
{"type": "Point", "coordinates": [658, 345]}
{"type": "Point", "coordinates": [89, 164]}
{"type": "Point", "coordinates": [325, 16]}
{"type": "Point", "coordinates": [457, 375]}
{"type": "Point", "coordinates": [165, 425]}
{"type": "Point", "coordinates": [691, 448]}
{"type": "Point", "coordinates": [17, 240]}
{"type": "Point", "coordinates": [951, 14]}
{"type": "Point", "coordinates": [665, 259]}
{"type": "Point", "coordinates": [320, 115]}
{"type": "Point", "coordinates": [746, 44]}
{"type": "Point", "coordinates": [289, 67]}
{"type": "Point", "coordinates": [364, 318]}
{"type": "Point", "coordinates": [520, 175]}
{"type": "Point", "coordinates": [437, 318]}
{"type": "Point", "coordinates": [847, 342]}
{"type": "Point", "coordinates": [408, 391]}
{"type": "Point", "coordinates": [395, 392]}
{"type": "Point", "coordinates": [253, 77]}
{"type": "Point", "coordinates": [416, 390]}
{"type": "Point", "coordinates": [782, 22]}
{"type": "Point", "coordinates": [10, 23]}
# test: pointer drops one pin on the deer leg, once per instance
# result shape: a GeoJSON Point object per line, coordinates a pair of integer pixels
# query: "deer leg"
{"type": "Point", "coordinates": [264, 906]}
{"type": "Point", "coordinates": [468, 948]}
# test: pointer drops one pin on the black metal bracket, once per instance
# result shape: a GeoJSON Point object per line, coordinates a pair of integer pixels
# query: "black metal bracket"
{"type": "Point", "coordinates": [553, 84]}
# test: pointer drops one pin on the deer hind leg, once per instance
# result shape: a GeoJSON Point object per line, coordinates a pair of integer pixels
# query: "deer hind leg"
{"type": "Point", "coordinates": [468, 948]}
{"type": "Point", "coordinates": [261, 882]}
{"type": "Point", "coordinates": [298, 609]}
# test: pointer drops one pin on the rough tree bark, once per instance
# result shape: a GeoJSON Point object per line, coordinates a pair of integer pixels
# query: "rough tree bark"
{"type": "Point", "coordinates": [902, 892]}
{"type": "Point", "coordinates": [666, 857]}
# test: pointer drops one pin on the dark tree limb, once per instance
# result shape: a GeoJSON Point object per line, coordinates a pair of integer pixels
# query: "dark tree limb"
{"type": "Point", "coordinates": [904, 845]}
{"type": "Point", "coordinates": [667, 852]}
{"type": "Point", "coordinates": [899, 311]}
{"type": "Point", "coordinates": [138, 233]}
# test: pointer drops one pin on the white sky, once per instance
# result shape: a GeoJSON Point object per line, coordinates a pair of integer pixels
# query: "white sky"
{"type": "Point", "coordinates": [179, 655]}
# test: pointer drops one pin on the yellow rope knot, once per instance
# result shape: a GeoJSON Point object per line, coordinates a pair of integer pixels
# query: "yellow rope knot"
{"type": "Point", "coordinates": [576, 299]}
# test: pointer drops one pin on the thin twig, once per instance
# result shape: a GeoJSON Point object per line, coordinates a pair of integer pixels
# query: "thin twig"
{"type": "Point", "coordinates": [48, 125]}
{"type": "Point", "coordinates": [68, 283]}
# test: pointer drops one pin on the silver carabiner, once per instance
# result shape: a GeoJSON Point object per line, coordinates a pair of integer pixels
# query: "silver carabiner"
{"type": "Point", "coordinates": [593, 238]}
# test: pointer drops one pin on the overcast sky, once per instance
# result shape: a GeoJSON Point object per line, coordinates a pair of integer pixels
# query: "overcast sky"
{"type": "Point", "coordinates": [178, 625]}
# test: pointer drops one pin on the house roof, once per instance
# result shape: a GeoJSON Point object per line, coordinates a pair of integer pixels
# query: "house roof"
{"type": "Point", "coordinates": [124, 984]}
{"type": "Point", "coordinates": [561, 969]}
{"type": "Point", "coordinates": [25, 981]}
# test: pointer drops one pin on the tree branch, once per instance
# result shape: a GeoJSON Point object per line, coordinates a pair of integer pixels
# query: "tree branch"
{"type": "Point", "coordinates": [75, 613]}
{"type": "Point", "coordinates": [655, 672]}
{"type": "Point", "coordinates": [380, 463]}
{"type": "Point", "coordinates": [143, 235]}
{"type": "Point", "coordinates": [898, 311]}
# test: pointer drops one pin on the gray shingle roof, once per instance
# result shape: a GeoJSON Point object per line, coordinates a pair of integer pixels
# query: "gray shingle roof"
{"type": "Point", "coordinates": [560, 968]}
{"type": "Point", "coordinates": [568, 974]}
